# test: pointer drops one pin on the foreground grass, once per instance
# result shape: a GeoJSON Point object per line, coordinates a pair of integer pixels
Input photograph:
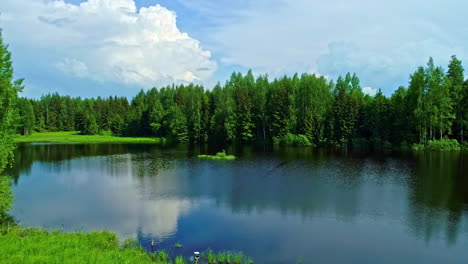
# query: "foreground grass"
{"type": "Point", "coordinates": [219, 156]}
{"type": "Point", "coordinates": [33, 245]}
{"type": "Point", "coordinates": [75, 137]}
{"type": "Point", "coordinates": [37, 246]}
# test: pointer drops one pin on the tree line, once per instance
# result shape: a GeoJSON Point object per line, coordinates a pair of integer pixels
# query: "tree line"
{"type": "Point", "coordinates": [302, 109]}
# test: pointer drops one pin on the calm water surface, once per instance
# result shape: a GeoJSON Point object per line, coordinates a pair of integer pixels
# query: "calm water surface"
{"type": "Point", "coordinates": [275, 205]}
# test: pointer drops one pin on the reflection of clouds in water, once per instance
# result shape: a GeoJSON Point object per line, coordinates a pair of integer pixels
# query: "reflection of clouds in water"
{"type": "Point", "coordinates": [94, 197]}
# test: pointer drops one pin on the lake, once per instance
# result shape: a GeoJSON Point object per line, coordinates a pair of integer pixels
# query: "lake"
{"type": "Point", "coordinates": [277, 205]}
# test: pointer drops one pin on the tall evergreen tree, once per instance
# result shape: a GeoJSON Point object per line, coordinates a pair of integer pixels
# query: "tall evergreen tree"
{"type": "Point", "coordinates": [456, 77]}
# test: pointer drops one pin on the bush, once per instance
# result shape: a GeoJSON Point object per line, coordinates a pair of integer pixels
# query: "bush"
{"type": "Point", "coordinates": [438, 145]}
{"type": "Point", "coordinates": [6, 197]}
{"type": "Point", "coordinates": [443, 145]}
{"type": "Point", "coordinates": [418, 147]}
{"type": "Point", "coordinates": [292, 140]}
{"type": "Point", "coordinates": [106, 133]}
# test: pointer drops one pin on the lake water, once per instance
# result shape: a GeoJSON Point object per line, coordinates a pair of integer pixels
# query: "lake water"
{"type": "Point", "coordinates": [275, 205]}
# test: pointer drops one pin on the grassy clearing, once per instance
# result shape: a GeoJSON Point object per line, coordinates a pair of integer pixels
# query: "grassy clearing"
{"type": "Point", "coordinates": [75, 137]}
{"type": "Point", "coordinates": [219, 156]}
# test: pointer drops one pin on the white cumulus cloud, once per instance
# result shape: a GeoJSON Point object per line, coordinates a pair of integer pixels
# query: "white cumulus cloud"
{"type": "Point", "coordinates": [107, 41]}
{"type": "Point", "coordinates": [369, 90]}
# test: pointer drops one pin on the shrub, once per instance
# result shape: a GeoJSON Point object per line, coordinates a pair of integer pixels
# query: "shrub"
{"type": "Point", "coordinates": [106, 133]}
{"type": "Point", "coordinates": [443, 145]}
{"type": "Point", "coordinates": [418, 147]}
{"type": "Point", "coordinates": [438, 145]}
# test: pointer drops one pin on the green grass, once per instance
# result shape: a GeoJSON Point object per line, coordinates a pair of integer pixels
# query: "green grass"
{"type": "Point", "coordinates": [209, 256]}
{"type": "Point", "coordinates": [180, 260]}
{"type": "Point", "coordinates": [219, 156]}
{"type": "Point", "coordinates": [33, 245]}
{"type": "Point", "coordinates": [37, 246]}
{"type": "Point", "coordinates": [75, 137]}
{"type": "Point", "coordinates": [237, 257]}
{"type": "Point", "coordinates": [222, 257]}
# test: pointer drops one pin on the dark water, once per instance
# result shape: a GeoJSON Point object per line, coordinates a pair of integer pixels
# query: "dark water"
{"type": "Point", "coordinates": [274, 205]}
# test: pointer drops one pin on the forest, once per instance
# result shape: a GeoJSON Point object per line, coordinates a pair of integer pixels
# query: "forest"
{"type": "Point", "coordinates": [303, 109]}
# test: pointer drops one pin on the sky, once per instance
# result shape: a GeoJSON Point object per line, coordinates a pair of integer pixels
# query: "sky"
{"type": "Point", "coordinates": [94, 48]}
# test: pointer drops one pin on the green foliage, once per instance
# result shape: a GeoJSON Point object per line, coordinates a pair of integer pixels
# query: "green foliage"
{"type": "Point", "coordinates": [438, 145]}
{"type": "Point", "coordinates": [464, 146]}
{"type": "Point", "coordinates": [219, 156]}
{"type": "Point", "coordinates": [26, 116]}
{"type": "Point", "coordinates": [6, 197]}
{"type": "Point", "coordinates": [90, 126]}
{"type": "Point", "coordinates": [418, 147]}
{"type": "Point", "coordinates": [443, 145]}
{"type": "Point", "coordinates": [292, 140]}
{"type": "Point", "coordinates": [8, 98]}
{"type": "Point", "coordinates": [286, 111]}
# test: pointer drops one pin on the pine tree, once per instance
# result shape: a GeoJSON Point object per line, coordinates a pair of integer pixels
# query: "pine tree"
{"type": "Point", "coordinates": [456, 78]}
{"type": "Point", "coordinates": [26, 116]}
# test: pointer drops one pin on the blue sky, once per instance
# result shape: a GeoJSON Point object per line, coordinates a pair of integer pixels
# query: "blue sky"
{"type": "Point", "coordinates": [117, 47]}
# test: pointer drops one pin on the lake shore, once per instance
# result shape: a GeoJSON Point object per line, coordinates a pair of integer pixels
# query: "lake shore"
{"type": "Point", "coordinates": [36, 245]}
{"type": "Point", "coordinates": [75, 137]}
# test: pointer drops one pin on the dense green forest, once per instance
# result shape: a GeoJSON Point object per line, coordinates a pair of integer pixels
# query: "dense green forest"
{"type": "Point", "coordinates": [302, 109]}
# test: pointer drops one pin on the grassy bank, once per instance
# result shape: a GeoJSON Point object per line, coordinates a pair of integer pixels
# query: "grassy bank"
{"type": "Point", "coordinates": [75, 137]}
{"type": "Point", "coordinates": [33, 245]}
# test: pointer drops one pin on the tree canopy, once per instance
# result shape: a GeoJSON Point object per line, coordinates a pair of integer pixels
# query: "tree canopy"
{"type": "Point", "coordinates": [246, 110]}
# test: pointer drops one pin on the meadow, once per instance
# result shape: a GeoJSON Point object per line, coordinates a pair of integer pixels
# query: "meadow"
{"type": "Point", "coordinates": [76, 137]}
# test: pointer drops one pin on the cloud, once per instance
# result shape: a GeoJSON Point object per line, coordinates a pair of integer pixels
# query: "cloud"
{"type": "Point", "coordinates": [108, 41]}
{"type": "Point", "coordinates": [73, 67]}
{"type": "Point", "coordinates": [382, 41]}
{"type": "Point", "coordinates": [369, 90]}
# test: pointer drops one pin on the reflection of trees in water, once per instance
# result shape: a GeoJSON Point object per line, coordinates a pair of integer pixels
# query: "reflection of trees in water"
{"type": "Point", "coordinates": [290, 180]}
{"type": "Point", "coordinates": [439, 195]}
{"type": "Point", "coordinates": [27, 154]}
